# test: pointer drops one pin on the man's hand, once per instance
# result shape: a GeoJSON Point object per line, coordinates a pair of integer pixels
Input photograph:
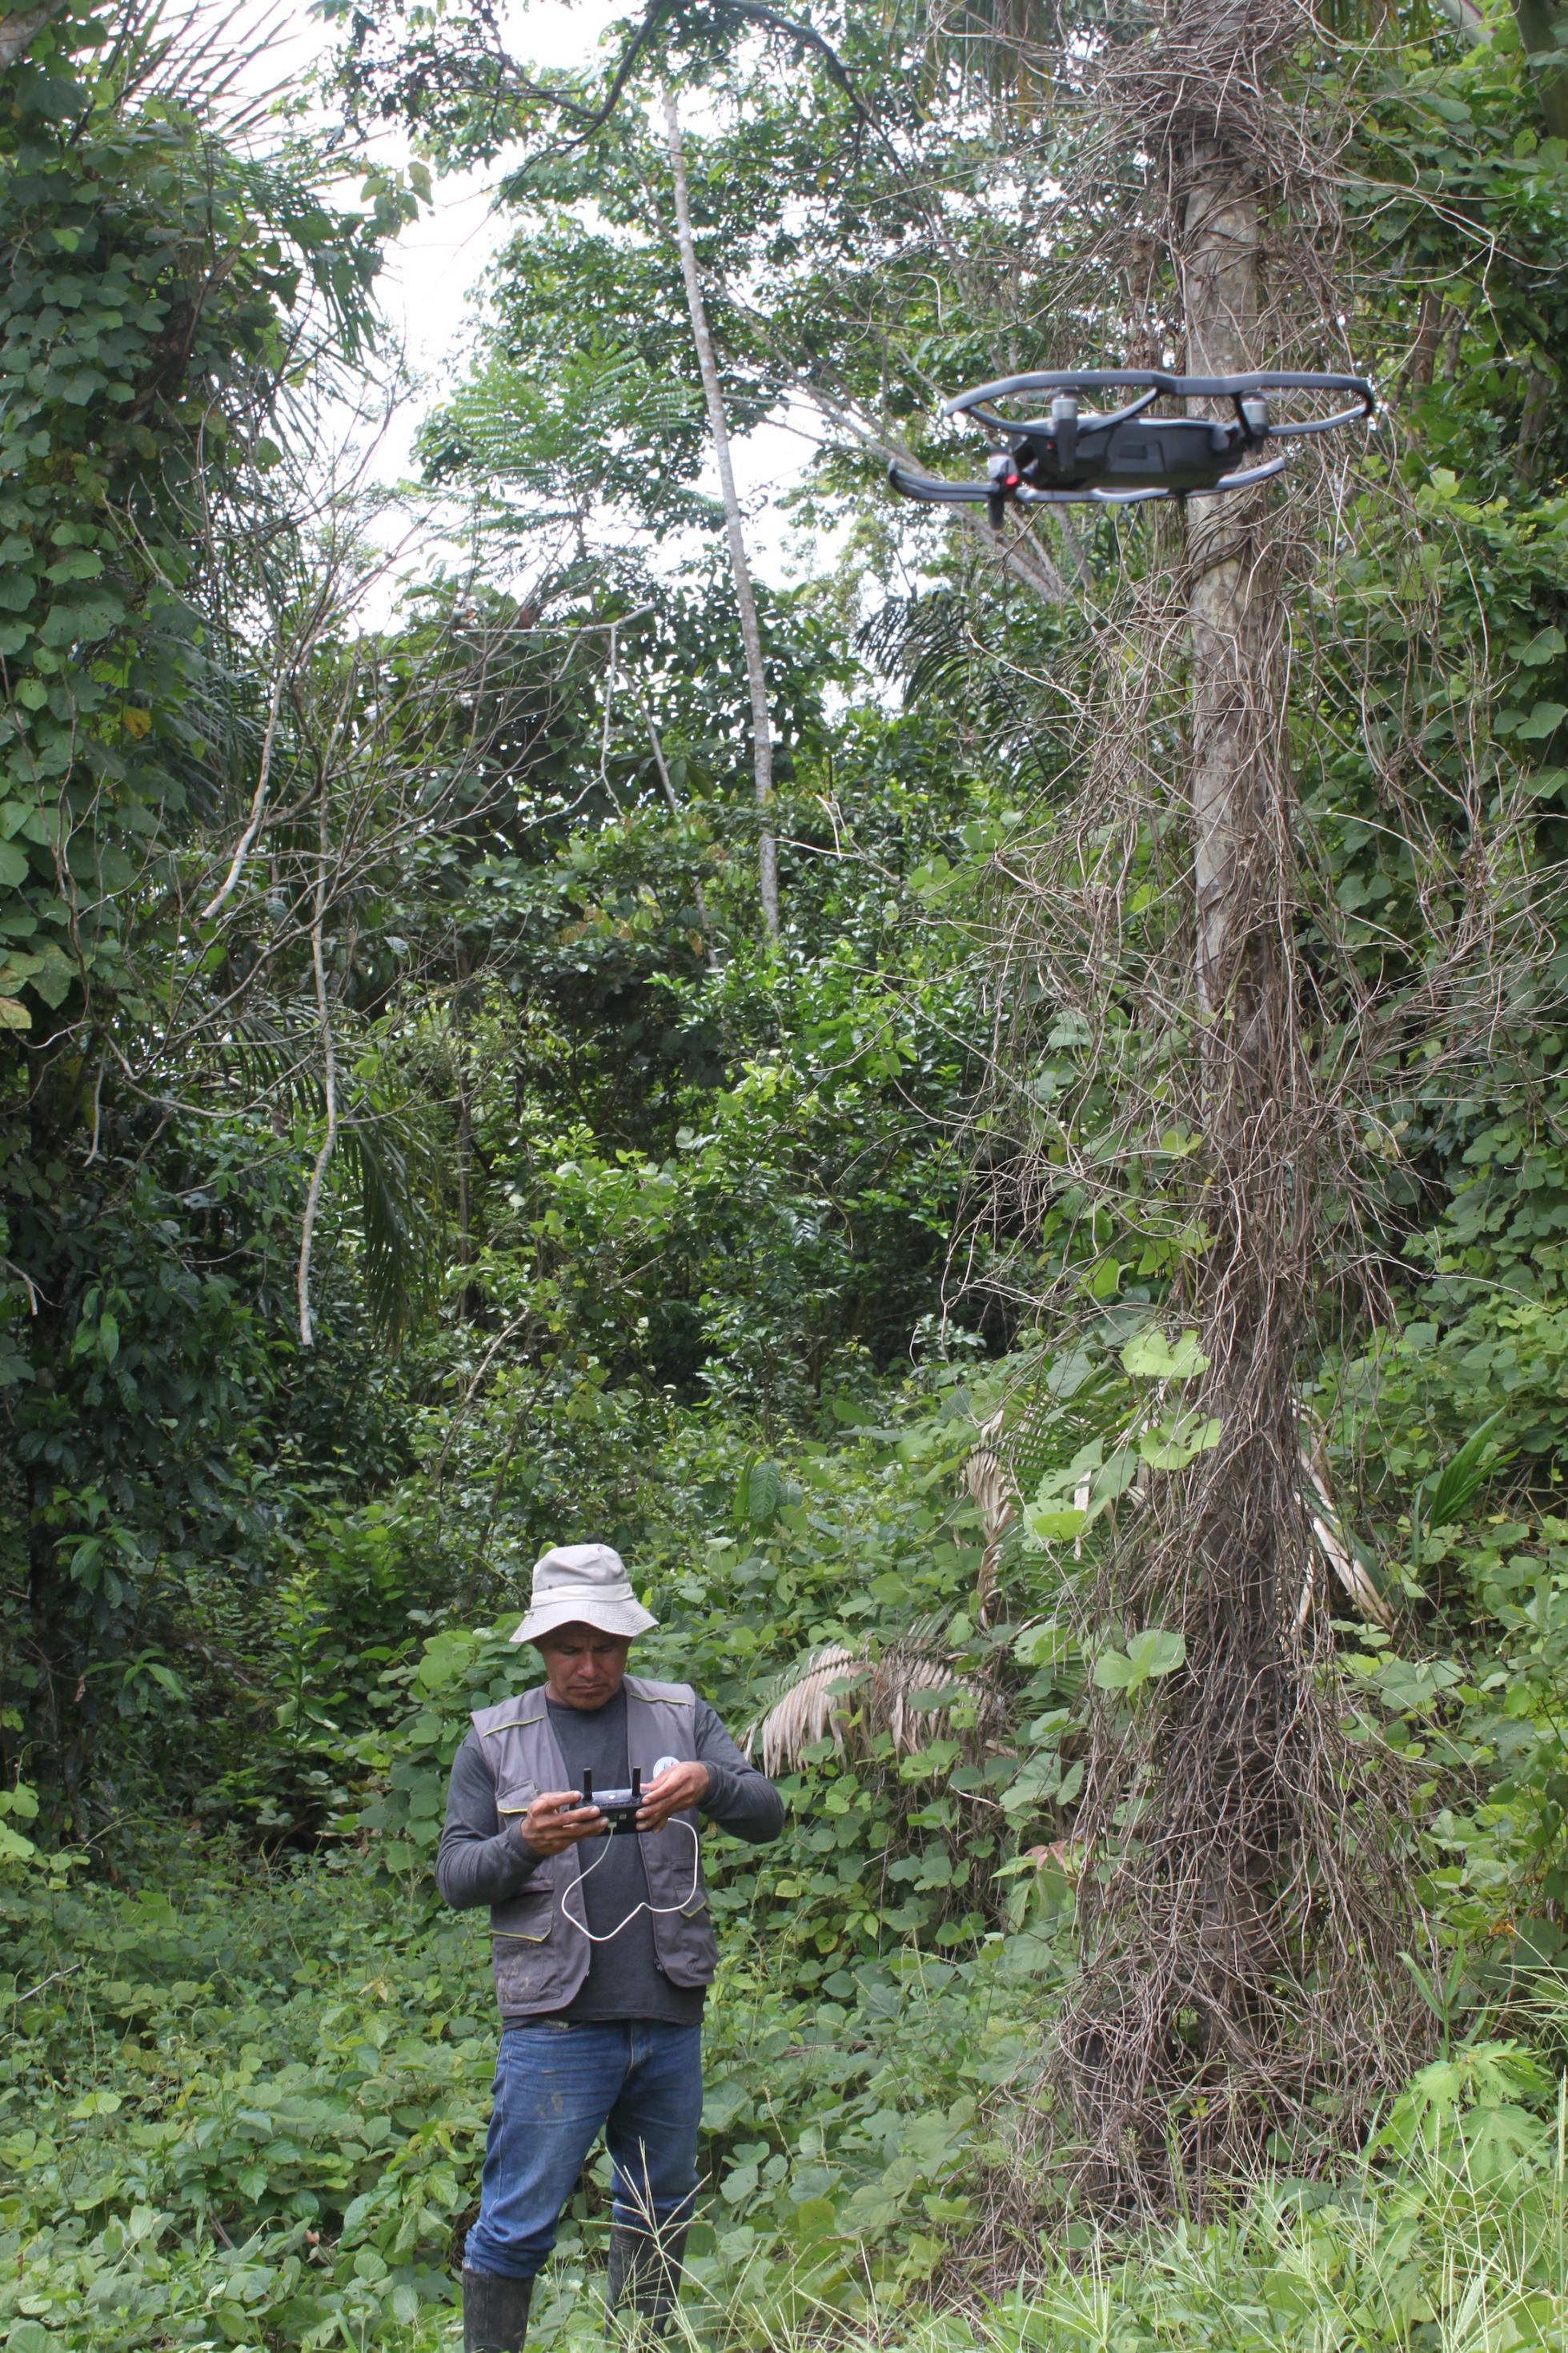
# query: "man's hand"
{"type": "Point", "coordinates": [677, 1789]}
{"type": "Point", "coordinates": [555, 1820]}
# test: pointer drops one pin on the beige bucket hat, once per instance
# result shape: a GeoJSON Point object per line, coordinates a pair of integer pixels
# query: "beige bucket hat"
{"type": "Point", "coordinates": [582, 1585]}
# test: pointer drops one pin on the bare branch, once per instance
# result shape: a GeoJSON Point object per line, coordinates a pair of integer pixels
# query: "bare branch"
{"type": "Point", "coordinates": [740, 564]}
{"type": "Point", "coordinates": [329, 1069]}
{"type": "Point", "coordinates": [257, 805]}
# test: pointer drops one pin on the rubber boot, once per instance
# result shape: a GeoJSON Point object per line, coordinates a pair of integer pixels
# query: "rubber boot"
{"type": "Point", "coordinates": [645, 2273]}
{"type": "Point", "coordinates": [495, 2312]}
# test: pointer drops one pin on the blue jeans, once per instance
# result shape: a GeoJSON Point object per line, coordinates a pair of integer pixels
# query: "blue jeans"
{"type": "Point", "coordinates": [558, 2085]}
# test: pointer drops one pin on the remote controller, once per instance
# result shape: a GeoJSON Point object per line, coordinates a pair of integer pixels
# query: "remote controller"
{"type": "Point", "coordinates": [619, 1806]}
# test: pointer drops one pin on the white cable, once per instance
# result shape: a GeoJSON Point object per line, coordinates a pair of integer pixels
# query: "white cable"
{"type": "Point", "coordinates": [582, 1925]}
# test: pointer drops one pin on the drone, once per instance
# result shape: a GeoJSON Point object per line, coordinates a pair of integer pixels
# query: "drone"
{"type": "Point", "coordinates": [1128, 456]}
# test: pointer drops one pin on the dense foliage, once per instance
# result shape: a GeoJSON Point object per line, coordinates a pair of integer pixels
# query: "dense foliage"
{"type": "Point", "coordinates": [412, 1153]}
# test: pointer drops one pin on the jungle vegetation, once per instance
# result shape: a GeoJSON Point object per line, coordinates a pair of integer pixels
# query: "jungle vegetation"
{"type": "Point", "coordinates": [519, 1023]}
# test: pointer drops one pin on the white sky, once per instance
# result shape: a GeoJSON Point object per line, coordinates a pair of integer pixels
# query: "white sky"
{"type": "Point", "coordinates": [428, 285]}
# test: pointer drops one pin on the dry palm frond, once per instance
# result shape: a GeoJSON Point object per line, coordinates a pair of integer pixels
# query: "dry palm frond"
{"type": "Point", "coordinates": [1332, 1546]}
{"type": "Point", "coordinates": [847, 1698]}
{"type": "Point", "coordinates": [993, 1487]}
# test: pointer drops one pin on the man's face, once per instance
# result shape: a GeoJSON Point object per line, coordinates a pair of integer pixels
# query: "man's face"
{"type": "Point", "coordinates": [583, 1668]}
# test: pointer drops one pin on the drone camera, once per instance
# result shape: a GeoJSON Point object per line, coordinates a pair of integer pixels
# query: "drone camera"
{"type": "Point", "coordinates": [1064, 416]}
{"type": "Point", "coordinates": [1255, 415]}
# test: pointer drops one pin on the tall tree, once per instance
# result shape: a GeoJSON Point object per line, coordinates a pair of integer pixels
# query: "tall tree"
{"type": "Point", "coordinates": [1240, 1930]}
{"type": "Point", "coordinates": [734, 523]}
{"type": "Point", "coordinates": [158, 284]}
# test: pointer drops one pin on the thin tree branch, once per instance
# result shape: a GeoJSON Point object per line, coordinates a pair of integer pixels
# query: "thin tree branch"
{"type": "Point", "coordinates": [329, 1077]}
{"type": "Point", "coordinates": [661, 764]}
{"type": "Point", "coordinates": [257, 805]}
{"type": "Point", "coordinates": [739, 567]}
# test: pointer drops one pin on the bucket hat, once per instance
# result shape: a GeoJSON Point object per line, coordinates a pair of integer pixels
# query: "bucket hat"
{"type": "Point", "coordinates": [582, 1585]}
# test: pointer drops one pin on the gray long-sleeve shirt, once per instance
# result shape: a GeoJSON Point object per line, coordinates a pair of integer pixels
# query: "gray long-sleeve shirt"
{"type": "Point", "coordinates": [481, 1862]}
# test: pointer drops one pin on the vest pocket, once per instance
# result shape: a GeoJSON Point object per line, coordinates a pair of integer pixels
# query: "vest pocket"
{"type": "Point", "coordinates": [528, 1975]}
{"type": "Point", "coordinates": [527, 1918]}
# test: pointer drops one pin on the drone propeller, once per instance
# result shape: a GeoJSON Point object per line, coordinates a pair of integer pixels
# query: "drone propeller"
{"type": "Point", "coordinates": [1128, 456]}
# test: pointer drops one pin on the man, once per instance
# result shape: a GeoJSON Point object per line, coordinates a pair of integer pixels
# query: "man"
{"type": "Point", "coordinates": [602, 1962]}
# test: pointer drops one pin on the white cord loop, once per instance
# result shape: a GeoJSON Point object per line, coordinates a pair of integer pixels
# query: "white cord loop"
{"type": "Point", "coordinates": [582, 1925]}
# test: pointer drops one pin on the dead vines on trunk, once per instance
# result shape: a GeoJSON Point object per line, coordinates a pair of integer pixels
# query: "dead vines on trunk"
{"type": "Point", "coordinates": [1166, 947]}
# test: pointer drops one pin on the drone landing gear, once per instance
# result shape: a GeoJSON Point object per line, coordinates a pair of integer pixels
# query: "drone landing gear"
{"type": "Point", "coordinates": [1130, 455]}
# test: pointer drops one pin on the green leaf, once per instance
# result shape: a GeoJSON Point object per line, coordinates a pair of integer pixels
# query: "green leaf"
{"type": "Point", "coordinates": [1040, 1646]}
{"type": "Point", "coordinates": [1113, 1671]}
{"type": "Point", "coordinates": [1152, 1653]}
{"type": "Point", "coordinates": [1113, 1478]}
{"type": "Point", "coordinates": [1452, 1488]}
{"type": "Point", "coordinates": [1179, 1441]}
{"type": "Point", "coordinates": [96, 2103]}
{"type": "Point", "coordinates": [52, 974]}
{"type": "Point", "coordinates": [1152, 1356]}
{"type": "Point", "coordinates": [80, 563]}
{"type": "Point", "coordinates": [1054, 1524]}
{"type": "Point", "coordinates": [763, 1490]}
{"type": "Point", "coordinates": [1157, 1653]}
{"type": "Point", "coordinates": [813, 2218]}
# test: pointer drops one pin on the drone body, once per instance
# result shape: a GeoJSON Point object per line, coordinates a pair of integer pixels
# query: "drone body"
{"type": "Point", "coordinates": [1128, 455]}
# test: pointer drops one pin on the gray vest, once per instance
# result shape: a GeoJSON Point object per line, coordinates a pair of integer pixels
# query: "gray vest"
{"type": "Point", "coordinates": [541, 1959]}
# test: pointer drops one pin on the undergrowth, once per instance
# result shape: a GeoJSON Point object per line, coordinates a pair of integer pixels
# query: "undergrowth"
{"type": "Point", "coordinates": [244, 2107]}
{"type": "Point", "coordinates": [247, 2107]}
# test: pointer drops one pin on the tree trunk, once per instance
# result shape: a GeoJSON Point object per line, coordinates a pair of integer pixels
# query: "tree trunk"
{"type": "Point", "coordinates": [1229, 608]}
{"type": "Point", "coordinates": [18, 32]}
{"type": "Point", "coordinates": [1540, 22]}
{"type": "Point", "coordinates": [1238, 1638]}
{"type": "Point", "coordinates": [1239, 1993]}
{"type": "Point", "coordinates": [328, 1075]}
{"type": "Point", "coordinates": [1189, 2039]}
{"type": "Point", "coordinates": [739, 567]}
